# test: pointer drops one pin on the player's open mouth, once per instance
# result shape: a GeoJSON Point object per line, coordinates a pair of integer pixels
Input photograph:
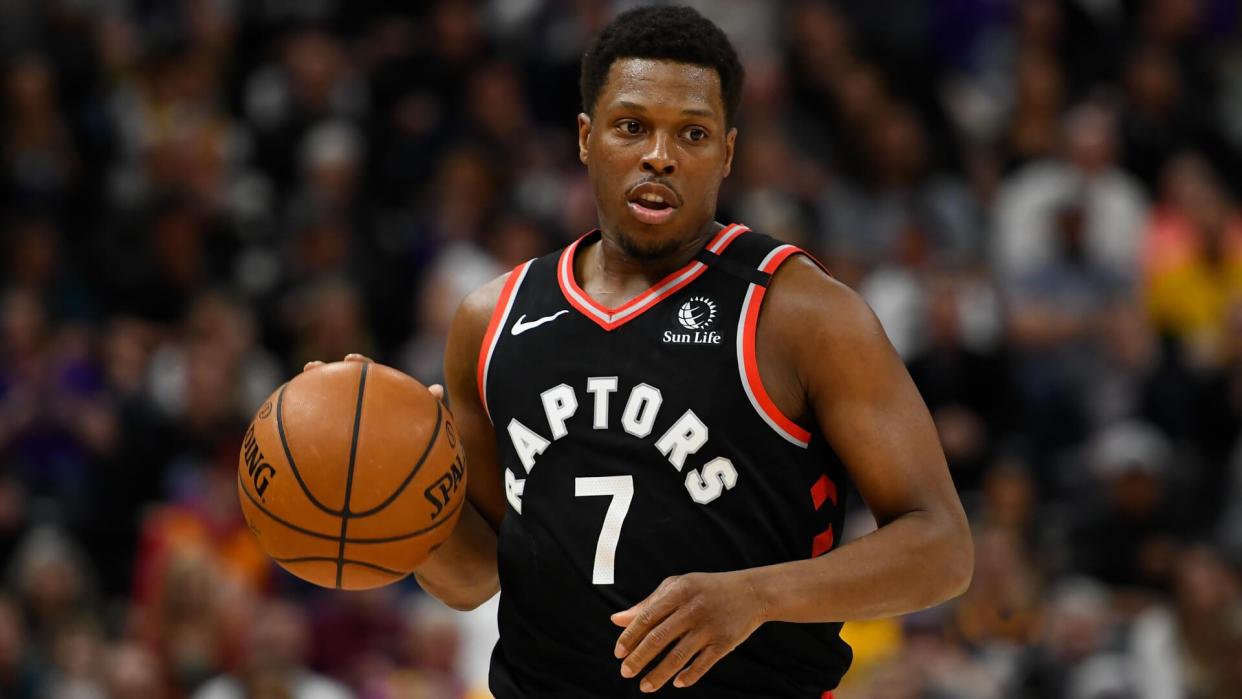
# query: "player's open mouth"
{"type": "Point", "coordinates": [652, 203]}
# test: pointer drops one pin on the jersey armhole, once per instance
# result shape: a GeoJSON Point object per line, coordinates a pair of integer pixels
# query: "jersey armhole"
{"type": "Point", "coordinates": [747, 356]}
{"type": "Point", "coordinates": [500, 316]}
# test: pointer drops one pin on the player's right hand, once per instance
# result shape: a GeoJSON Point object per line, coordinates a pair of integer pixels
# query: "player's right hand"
{"type": "Point", "coordinates": [436, 389]}
{"type": "Point", "coordinates": [352, 357]}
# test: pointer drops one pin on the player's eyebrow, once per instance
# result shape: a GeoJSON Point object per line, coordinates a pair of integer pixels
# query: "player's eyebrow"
{"type": "Point", "coordinates": [689, 111]}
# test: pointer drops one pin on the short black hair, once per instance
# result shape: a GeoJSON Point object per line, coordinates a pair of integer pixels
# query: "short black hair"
{"type": "Point", "coordinates": [663, 33]}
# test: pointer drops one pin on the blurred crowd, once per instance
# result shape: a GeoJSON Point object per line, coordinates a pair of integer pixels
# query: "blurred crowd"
{"type": "Point", "coordinates": [1040, 199]}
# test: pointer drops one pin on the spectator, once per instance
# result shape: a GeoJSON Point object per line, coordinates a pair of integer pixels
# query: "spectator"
{"type": "Point", "coordinates": [964, 388]}
{"type": "Point", "coordinates": [460, 268]}
{"type": "Point", "coordinates": [1231, 667]}
{"type": "Point", "coordinates": [50, 574]}
{"type": "Point", "coordinates": [40, 164]}
{"type": "Point", "coordinates": [77, 665]}
{"type": "Point", "coordinates": [358, 637]}
{"type": "Point", "coordinates": [1194, 259]}
{"type": "Point", "coordinates": [1080, 653]}
{"type": "Point", "coordinates": [20, 677]}
{"type": "Point", "coordinates": [1127, 538]}
{"type": "Point", "coordinates": [1083, 181]}
{"type": "Point", "coordinates": [131, 671]}
{"type": "Point", "coordinates": [905, 208]}
{"type": "Point", "coordinates": [275, 662]}
{"type": "Point", "coordinates": [1180, 650]}
{"type": "Point", "coordinates": [1040, 101]}
{"type": "Point", "coordinates": [311, 80]}
{"type": "Point", "coordinates": [1158, 121]}
{"type": "Point", "coordinates": [1002, 607]}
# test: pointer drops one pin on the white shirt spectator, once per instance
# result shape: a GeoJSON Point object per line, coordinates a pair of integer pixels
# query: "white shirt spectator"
{"type": "Point", "coordinates": [302, 685]}
{"type": "Point", "coordinates": [1113, 209]}
{"type": "Point", "coordinates": [1085, 180]}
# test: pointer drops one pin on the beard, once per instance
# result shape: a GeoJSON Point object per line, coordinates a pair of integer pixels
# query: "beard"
{"type": "Point", "coordinates": [645, 250]}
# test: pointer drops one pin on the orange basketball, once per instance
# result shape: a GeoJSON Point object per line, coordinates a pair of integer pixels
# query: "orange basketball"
{"type": "Point", "coordinates": [351, 474]}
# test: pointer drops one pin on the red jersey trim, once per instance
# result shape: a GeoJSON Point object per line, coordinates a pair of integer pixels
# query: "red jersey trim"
{"type": "Point", "coordinates": [823, 491]}
{"type": "Point", "coordinates": [748, 363]}
{"type": "Point", "coordinates": [822, 543]}
{"type": "Point", "coordinates": [726, 236]}
{"type": "Point", "coordinates": [779, 255]}
{"type": "Point", "coordinates": [500, 315]}
{"type": "Point", "coordinates": [613, 318]}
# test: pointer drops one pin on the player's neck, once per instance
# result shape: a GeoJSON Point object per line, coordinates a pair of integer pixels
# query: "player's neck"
{"type": "Point", "coordinates": [609, 260]}
{"type": "Point", "coordinates": [611, 276]}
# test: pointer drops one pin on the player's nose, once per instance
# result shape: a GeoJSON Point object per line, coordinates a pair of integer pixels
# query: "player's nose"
{"type": "Point", "coordinates": [659, 160]}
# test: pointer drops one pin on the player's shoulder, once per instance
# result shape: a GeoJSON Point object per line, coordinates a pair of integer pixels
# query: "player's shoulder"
{"type": "Point", "coordinates": [474, 313]}
{"type": "Point", "coordinates": [469, 327]}
{"type": "Point", "coordinates": [787, 267]}
{"type": "Point", "coordinates": [798, 285]}
{"type": "Point", "coordinates": [802, 277]}
{"type": "Point", "coordinates": [479, 303]}
{"type": "Point", "coordinates": [810, 307]}
{"type": "Point", "coordinates": [477, 307]}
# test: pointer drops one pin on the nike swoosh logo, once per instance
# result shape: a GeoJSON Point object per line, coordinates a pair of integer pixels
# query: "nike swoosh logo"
{"type": "Point", "coordinates": [519, 327]}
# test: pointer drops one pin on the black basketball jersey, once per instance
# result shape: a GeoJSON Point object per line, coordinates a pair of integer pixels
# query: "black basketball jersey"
{"type": "Point", "coordinates": [638, 443]}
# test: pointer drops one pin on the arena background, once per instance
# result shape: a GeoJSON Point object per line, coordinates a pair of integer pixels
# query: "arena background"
{"type": "Point", "coordinates": [1038, 197]}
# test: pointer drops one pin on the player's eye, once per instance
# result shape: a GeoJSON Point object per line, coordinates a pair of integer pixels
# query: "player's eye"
{"type": "Point", "coordinates": [696, 134]}
{"type": "Point", "coordinates": [630, 127]}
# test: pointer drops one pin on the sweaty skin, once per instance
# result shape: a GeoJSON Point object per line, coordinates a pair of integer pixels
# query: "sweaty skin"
{"type": "Point", "coordinates": [823, 358]}
{"type": "Point", "coordinates": [655, 123]}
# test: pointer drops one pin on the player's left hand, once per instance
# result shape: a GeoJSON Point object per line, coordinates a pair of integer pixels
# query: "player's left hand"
{"type": "Point", "coordinates": [703, 615]}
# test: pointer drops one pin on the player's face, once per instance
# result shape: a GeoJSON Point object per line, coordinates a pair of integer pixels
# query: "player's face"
{"type": "Point", "coordinates": [656, 149]}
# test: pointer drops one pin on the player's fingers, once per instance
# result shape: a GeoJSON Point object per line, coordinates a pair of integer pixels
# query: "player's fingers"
{"type": "Point", "coordinates": [355, 357]}
{"type": "Point", "coordinates": [624, 618]}
{"type": "Point", "coordinates": [642, 616]}
{"type": "Point", "coordinates": [436, 390]}
{"type": "Point", "coordinates": [638, 619]}
{"type": "Point", "coordinates": [652, 643]}
{"type": "Point", "coordinates": [672, 663]}
{"type": "Point", "coordinates": [703, 662]}
{"type": "Point", "coordinates": [312, 365]}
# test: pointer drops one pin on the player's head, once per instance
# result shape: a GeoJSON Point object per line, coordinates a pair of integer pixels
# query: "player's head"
{"type": "Point", "coordinates": [660, 89]}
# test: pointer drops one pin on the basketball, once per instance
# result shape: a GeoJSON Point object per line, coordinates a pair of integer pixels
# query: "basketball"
{"type": "Point", "coordinates": [351, 474]}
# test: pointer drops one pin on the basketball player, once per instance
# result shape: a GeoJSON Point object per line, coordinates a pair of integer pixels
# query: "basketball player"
{"type": "Point", "coordinates": [663, 419]}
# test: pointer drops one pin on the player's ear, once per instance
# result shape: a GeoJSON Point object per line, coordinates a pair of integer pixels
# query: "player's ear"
{"type": "Point", "coordinates": [730, 140]}
{"type": "Point", "coordinates": [584, 131]}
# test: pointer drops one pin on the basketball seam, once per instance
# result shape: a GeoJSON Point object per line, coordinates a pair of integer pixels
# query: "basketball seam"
{"type": "Point", "coordinates": [435, 435]}
{"type": "Point", "coordinates": [349, 477]}
{"type": "Point", "coordinates": [320, 559]}
{"type": "Point", "coordinates": [297, 475]}
{"type": "Point", "coordinates": [333, 537]}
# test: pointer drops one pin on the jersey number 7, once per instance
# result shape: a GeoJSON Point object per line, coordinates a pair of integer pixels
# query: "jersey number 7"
{"type": "Point", "coordinates": [621, 490]}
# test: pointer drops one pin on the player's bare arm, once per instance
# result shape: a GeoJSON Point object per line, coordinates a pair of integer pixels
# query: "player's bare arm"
{"type": "Point", "coordinates": [824, 356]}
{"type": "Point", "coordinates": [462, 571]}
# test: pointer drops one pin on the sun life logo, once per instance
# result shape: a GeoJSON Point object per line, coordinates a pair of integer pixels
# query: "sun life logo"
{"type": "Point", "coordinates": [696, 316]}
{"type": "Point", "coordinates": [697, 313]}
